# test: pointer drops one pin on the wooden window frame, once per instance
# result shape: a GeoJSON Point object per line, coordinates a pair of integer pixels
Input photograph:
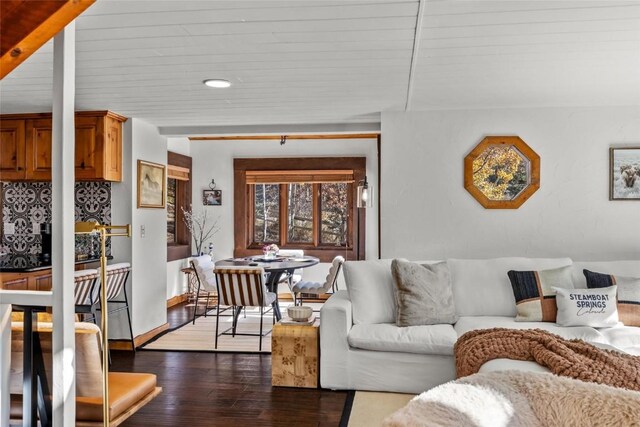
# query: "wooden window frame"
{"type": "Point", "coordinates": [244, 212]}
{"type": "Point", "coordinates": [180, 249]}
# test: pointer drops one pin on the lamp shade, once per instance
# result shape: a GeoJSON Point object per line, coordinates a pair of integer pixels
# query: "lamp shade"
{"type": "Point", "coordinates": [365, 194]}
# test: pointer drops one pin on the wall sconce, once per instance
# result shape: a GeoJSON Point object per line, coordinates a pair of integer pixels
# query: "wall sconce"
{"type": "Point", "coordinates": [364, 200]}
{"type": "Point", "coordinates": [365, 194]}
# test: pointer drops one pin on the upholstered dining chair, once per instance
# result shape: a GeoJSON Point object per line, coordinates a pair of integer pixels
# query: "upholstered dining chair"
{"type": "Point", "coordinates": [203, 267]}
{"type": "Point", "coordinates": [291, 278]}
{"type": "Point", "coordinates": [242, 287]}
{"type": "Point", "coordinates": [309, 290]}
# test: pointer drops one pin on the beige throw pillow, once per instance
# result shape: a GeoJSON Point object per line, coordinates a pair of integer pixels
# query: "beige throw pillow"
{"type": "Point", "coordinates": [423, 293]}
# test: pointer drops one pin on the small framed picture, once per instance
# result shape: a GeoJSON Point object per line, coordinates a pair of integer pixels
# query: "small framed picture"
{"type": "Point", "coordinates": [151, 185]}
{"type": "Point", "coordinates": [624, 173]}
{"type": "Point", "coordinates": [212, 197]}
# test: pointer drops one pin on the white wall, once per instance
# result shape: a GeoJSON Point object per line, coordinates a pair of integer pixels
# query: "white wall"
{"type": "Point", "coordinates": [427, 214]}
{"type": "Point", "coordinates": [179, 145]}
{"type": "Point", "coordinates": [214, 159]}
{"type": "Point", "coordinates": [148, 283]}
{"type": "Point", "coordinates": [176, 280]}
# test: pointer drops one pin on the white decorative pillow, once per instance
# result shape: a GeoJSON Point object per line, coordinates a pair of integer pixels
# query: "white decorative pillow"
{"type": "Point", "coordinates": [371, 291]}
{"type": "Point", "coordinates": [587, 307]}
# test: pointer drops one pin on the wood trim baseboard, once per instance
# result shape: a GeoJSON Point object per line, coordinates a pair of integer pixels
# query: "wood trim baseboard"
{"type": "Point", "coordinates": [138, 341]}
{"type": "Point", "coordinates": [178, 299]}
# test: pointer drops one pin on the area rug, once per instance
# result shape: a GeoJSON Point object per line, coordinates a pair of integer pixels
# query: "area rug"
{"type": "Point", "coordinates": [369, 409]}
{"type": "Point", "coordinates": [201, 336]}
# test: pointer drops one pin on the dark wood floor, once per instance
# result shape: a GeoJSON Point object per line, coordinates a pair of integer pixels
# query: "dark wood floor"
{"type": "Point", "coordinates": [220, 389]}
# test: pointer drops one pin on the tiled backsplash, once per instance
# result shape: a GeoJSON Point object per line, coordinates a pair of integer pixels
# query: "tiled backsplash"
{"type": "Point", "coordinates": [25, 204]}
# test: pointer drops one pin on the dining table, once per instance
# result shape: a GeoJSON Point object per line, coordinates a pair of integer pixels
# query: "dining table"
{"type": "Point", "coordinates": [275, 268]}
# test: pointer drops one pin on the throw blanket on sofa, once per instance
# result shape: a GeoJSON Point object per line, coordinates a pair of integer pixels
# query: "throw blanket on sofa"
{"type": "Point", "coordinates": [569, 358]}
{"type": "Point", "coordinates": [516, 398]}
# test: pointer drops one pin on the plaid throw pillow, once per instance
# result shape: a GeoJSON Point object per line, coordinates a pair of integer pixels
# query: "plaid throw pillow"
{"type": "Point", "coordinates": [534, 294]}
{"type": "Point", "coordinates": [628, 294]}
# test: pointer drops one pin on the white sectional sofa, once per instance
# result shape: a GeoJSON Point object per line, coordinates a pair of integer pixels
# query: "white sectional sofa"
{"type": "Point", "coordinates": [363, 349]}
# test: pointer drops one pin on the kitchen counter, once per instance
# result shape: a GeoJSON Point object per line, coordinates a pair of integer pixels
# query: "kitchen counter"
{"type": "Point", "coordinates": [11, 263]}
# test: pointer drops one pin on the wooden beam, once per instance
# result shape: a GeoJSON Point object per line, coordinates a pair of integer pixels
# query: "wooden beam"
{"type": "Point", "coordinates": [26, 25]}
{"type": "Point", "coordinates": [288, 137]}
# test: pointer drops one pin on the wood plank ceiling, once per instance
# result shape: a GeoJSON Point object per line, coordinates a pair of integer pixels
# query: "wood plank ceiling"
{"type": "Point", "coordinates": [326, 61]}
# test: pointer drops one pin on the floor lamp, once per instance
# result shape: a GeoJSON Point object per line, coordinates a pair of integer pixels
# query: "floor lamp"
{"type": "Point", "coordinates": [104, 231]}
{"type": "Point", "coordinates": [364, 200]}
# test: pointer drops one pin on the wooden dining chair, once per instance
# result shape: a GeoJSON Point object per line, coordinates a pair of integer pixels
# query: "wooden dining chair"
{"type": "Point", "coordinates": [240, 287]}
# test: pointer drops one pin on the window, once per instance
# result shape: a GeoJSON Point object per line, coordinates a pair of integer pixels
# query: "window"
{"type": "Point", "coordinates": [266, 207]}
{"type": "Point", "coordinates": [308, 206]}
{"type": "Point", "coordinates": [171, 211]}
{"type": "Point", "coordinates": [178, 197]}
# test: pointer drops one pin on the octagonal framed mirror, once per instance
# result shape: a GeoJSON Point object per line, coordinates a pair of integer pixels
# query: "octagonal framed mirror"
{"type": "Point", "coordinates": [502, 172]}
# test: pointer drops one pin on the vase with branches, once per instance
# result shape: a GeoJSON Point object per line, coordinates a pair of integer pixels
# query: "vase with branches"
{"type": "Point", "coordinates": [201, 227]}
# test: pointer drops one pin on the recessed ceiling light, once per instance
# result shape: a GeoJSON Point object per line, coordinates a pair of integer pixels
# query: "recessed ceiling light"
{"type": "Point", "coordinates": [217, 83]}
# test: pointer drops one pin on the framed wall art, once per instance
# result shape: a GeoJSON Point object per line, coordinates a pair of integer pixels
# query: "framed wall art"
{"type": "Point", "coordinates": [624, 173]}
{"type": "Point", "coordinates": [502, 172]}
{"type": "Point", "coordinates": [212, 197]}
{"type": "Point", "coordinates": [152, 185]}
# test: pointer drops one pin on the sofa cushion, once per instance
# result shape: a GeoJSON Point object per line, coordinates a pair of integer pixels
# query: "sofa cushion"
{"type": "Point", "coordinates": [481, 286]}
{"type": "Point", "coordinates": [625, 338]}
{"type": "Point", "coordinates": [423, 293]}
{"type": "Point", "coordinates": [628, 296]}
{"type": "Point", "coordinates": [617, 268]}
{"type": "Point", "coordinates": [534, 294]}
{"type": "Point", "coordinates": [423, 339]}
{"type": "Point", "coordinates": [371, 291]}
{"type": "Point", "coordinates": [585, 333]}
{"type": "Point", "coordinates": [587, 307]}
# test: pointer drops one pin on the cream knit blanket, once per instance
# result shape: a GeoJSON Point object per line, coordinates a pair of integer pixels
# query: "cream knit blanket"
{"type": "Point", "coordinates": [516, 398]}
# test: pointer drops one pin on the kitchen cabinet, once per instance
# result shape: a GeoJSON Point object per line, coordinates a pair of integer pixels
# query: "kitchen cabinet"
{"type": "Point", "coordinates": [25, 146]}
{"type": "Point", "coordinates": [40, 280]}
{"type": "Point", "coordinates": [99, 146]}
{"type": "Point", "coordinates": [34, 281]}
{"type": "Point", "coordinates": [38, 149]}
{"type": "Point", "coordinates": [12, 150]}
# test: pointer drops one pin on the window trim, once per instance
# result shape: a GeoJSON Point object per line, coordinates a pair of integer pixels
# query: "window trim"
{"type": "Point", "coordinates": [181, 249]}
{"type": "Point", "coordinates": [243, 217]}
